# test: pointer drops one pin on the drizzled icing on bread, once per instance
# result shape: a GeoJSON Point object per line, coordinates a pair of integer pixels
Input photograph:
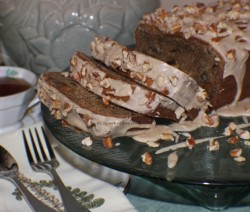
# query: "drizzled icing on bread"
{"type": "Point", "coordinates": [224, 25]}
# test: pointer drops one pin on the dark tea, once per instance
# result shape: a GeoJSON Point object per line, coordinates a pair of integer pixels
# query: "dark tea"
{"type": "Point", "coordinates": [9, 86]}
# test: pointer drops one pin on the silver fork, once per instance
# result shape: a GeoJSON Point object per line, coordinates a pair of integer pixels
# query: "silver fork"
{"type": "Point", "coordinates": [49, 164]}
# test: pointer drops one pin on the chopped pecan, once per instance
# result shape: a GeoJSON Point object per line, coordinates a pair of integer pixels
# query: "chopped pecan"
{"type": "Point", "coordinates": [208, 120]}
{"type": "Point", "coordinates": [87, 141]}
{"type": "Point", "coordinates": [233, 140]}
{"type": "Point", "coordinates": [147, 158]}
{"type": "Point", "coordinates": [87, 119]}
{"type": "Point", "coordinates": [151, 97]}
{"type": "Point", "coordinates": [201, 96]}
{"type": "Point", "coordinates": [146, 67]}
{"type": "Point", "coordinates": [176, 27]}
{"type": "Point", "coordinates": [139, 76]}
{"type": "Point", "coordinates": [56, 104]}
{"type": "Point", "coordinates": [83, 71]}
{"type": "Point", "coordinates": [149, 81]}
{"type": "Point", "coordinates": [105, 101]}
{"type": "Point", "coordinates": [200, 28]}
{"type": "Point", "coordinates": [167, 137]}
{"type": "Point", "coordinates": [236, 152]}
{"type": "Point", "coordinates": [160, 81]}
{"type": "Point", "coordinates": [73, 61]}
{"type": "Point", "coordinates": [245, 135]}
{"type": "Point", "coordinates": [107, 142]}
{"type": "Point", "coordinates": [116, 63]}
{"type": "Point", "coordinates": [76, 76]}
{"type": "Point", "coordinates": [190, 142]}
{"type": "Point", "coordinates": [89, 86]}
{"type": "Point", "coordinates": [218, 39]}
{"type": "Point", "coordinates": [213, 145]}
{"type": "Point", "coordinates": [67, 108]}
{"type": "Point", "coordinates": [247, 143]}
{"type": "Point", "coordinates": [65, 74]}
{"type": "Point", "coordinates": [240, 159]}
{"type": "Point", "coordinates": [104, 83]}
{"type": "Point", "coordinates": [231, 54]}
{"type": "Point", "coordinates": [173, 80]}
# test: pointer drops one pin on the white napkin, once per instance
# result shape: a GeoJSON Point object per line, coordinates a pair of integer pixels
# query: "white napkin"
{"type": "Point", "coordinates": [72, 174]}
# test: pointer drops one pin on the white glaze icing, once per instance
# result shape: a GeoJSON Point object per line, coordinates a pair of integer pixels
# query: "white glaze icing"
{"type": "Point", "coordinates": [141, 68]}
{"type": "Point", "coordinates": [184, 144]}
{"type": "Point", "coordinates": [198, 141]}
{"type": "Point", "coordinates": [242, 108]}
{"type": "Point", "coordinates": [87, 141]}
{"type": "Point", "coordinates": [199, 121]}
{"type": "Point", "coordinates": [172, 159]}
{"type": "Point", "coordinates": [119, 91]}
{"type": "Point", "coordinates": [153, 135]}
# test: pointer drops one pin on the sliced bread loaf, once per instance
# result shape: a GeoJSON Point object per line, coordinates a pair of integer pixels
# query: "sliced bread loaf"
{"type": "Point", "coordinates": [117, 89]}
{"type": "Point", "coordinates": [84, 110]}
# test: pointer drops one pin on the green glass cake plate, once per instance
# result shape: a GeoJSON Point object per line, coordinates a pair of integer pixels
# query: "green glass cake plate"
{"type": "Point", "coordinates": [212, 179]}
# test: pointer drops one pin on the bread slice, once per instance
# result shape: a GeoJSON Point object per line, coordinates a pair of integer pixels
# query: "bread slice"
{"type": "Point", "coordinates": [84, 110]}
{"type": "Point", "coordinates": [119, 90]}
{"type": "Point", "coordinates": [150, 72]}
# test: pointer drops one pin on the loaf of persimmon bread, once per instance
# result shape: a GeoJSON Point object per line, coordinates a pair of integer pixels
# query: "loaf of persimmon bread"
{"type": "Point", "coordinates": [210, 43]}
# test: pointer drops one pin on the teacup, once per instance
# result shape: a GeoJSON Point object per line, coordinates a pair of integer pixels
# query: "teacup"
{"type": "Point", "coordinates": [17, 88]}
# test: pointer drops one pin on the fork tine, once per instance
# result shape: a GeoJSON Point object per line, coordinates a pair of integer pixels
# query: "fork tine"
{"type": "Point", "coordinates": [51, 152]}
{"type": "Point", "coordinates": [34, 147]}
{"type": "Point", "coordinates": [28, 152]}
{"type": "Point", "coordinates": [40, 145]}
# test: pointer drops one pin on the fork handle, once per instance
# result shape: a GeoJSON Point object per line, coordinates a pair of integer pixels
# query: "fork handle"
{"type": "Point", "coordinates": [69, 202]}
{"type": "Point", "coordinates": [34, 203]}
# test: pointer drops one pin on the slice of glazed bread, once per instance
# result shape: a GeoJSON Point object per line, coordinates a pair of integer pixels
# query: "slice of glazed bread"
{"type": "Point", "coordinates": [150, 72]}
{"type": "Point", "coordinates": [84, 110]}
{"type": "Point", "coordinates": [117, 89]}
